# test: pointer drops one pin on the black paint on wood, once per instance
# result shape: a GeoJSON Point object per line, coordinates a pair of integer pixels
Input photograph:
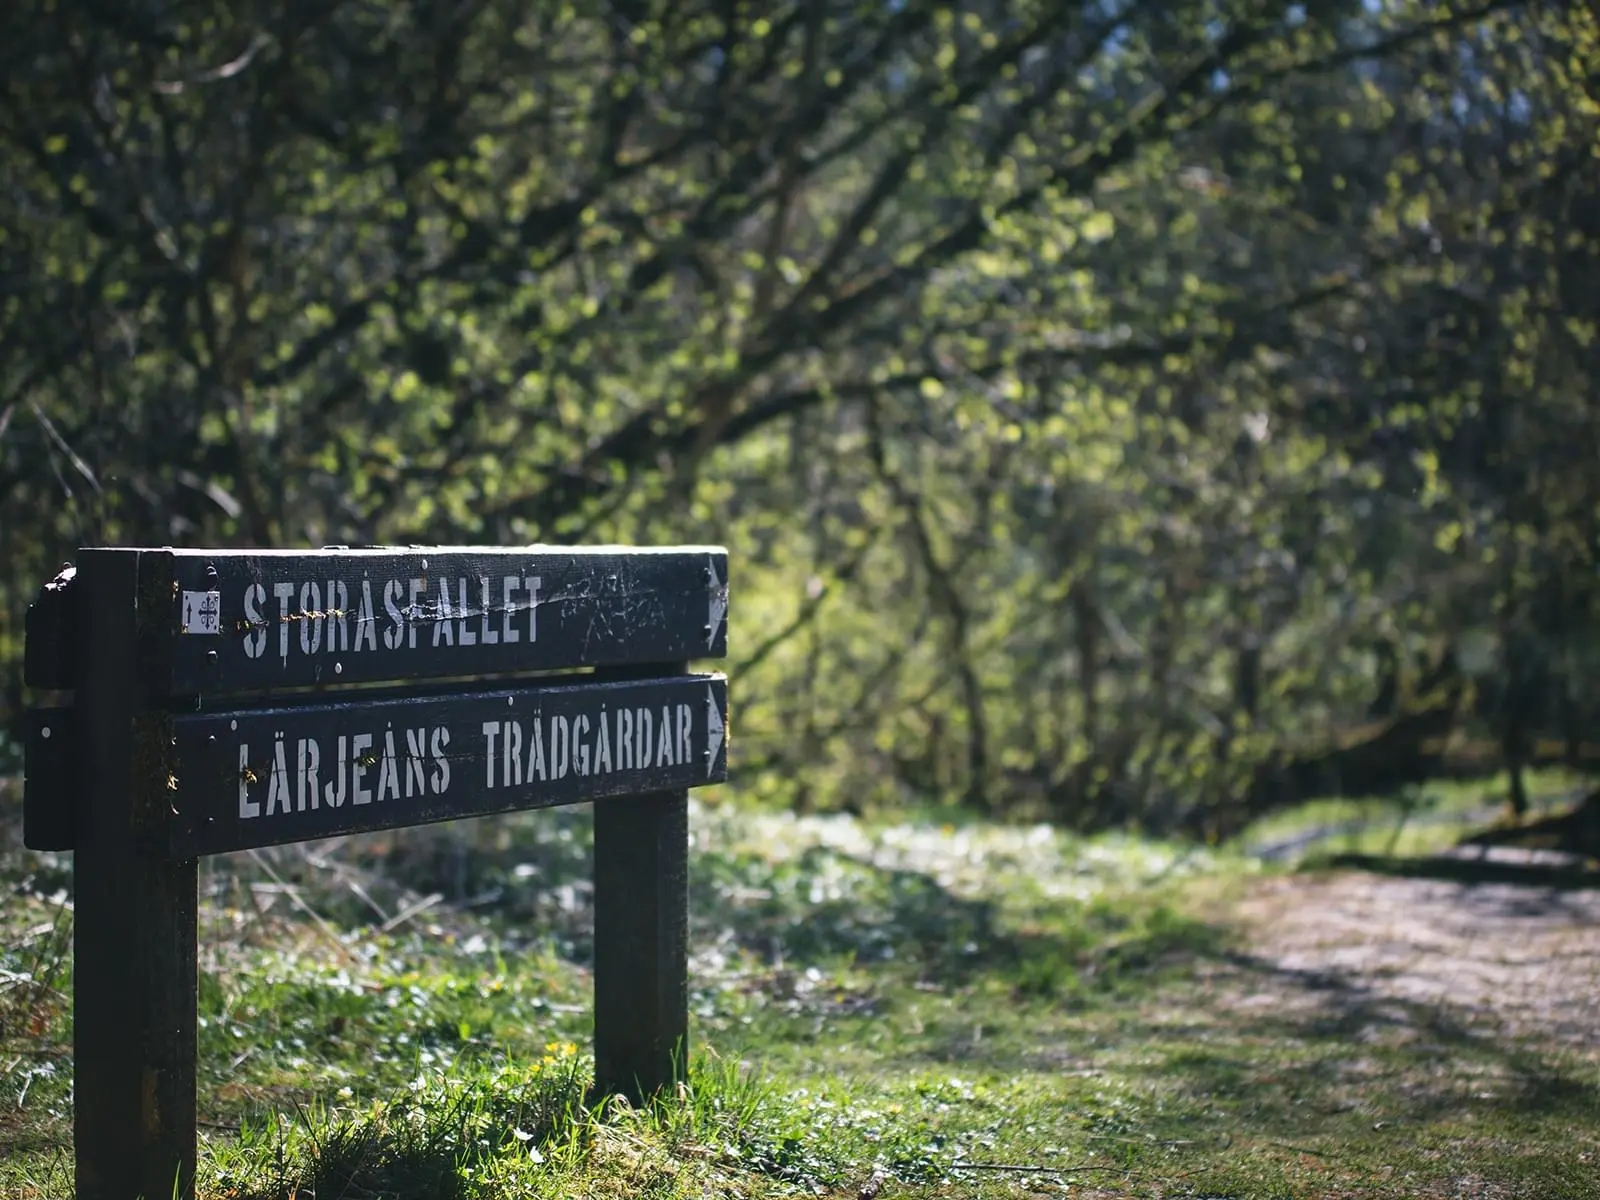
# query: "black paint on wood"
{"type": "Point", "coordinates": [134, 927]}
{"type": "Point", "coordinates": [228, 623]}
{"type": "Point", "coordinates": [49, 765]}
{"type": "Point", "coordinates": [641, 913]}
{"type": "Point", "coordinates": [641, 999]}
{"type": "Point", "coordinates": [49, 656]}
{"type": "Point", "coordinates": [161, 760]}
{"type": "Point", "coordinates": [261, 777]}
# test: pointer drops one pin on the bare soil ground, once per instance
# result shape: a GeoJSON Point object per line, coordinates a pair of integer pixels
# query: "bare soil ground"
{"type": "Point", "coordinates": [1504, 960]}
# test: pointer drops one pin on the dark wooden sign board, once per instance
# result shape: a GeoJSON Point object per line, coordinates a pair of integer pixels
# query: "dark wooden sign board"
{"type": "Point", "coordinates": [261, 777]}
{"type": "Point", "coordinates": [221, 624]}
{"type": "Point", "coordinates": [220, 702]}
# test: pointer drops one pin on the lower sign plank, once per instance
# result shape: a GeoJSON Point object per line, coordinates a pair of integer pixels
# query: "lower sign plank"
{"type": "Point", "coordinates": [263, 777]}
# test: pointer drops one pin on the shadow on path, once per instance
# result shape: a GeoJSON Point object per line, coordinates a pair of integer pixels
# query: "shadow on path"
{"type": "Point", "coordinates": [1534, 869]}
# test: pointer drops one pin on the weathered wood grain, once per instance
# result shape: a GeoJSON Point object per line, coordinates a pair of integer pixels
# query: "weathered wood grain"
{"type": "Point", "coordinates": [220, 705]}
{"type": "Point", "coordinates": [134, 928]}
{"type": "Point", "coordinates": [228, 623]}
{"type": "Point", "coordinates": [50, 760]}
{"type": "Point", "coordinates": [50, 650]}
{"type": "Point", "coordinates": [259, 777]}
{"type": "Point", "coordinates": [641, 942]}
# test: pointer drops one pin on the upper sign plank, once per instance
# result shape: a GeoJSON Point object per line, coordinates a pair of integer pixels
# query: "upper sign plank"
{"type": "Point", "coordinates": [257, 621]}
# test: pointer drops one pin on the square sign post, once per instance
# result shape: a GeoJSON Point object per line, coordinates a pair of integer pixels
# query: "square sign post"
{"type": "Point", "coordinates": [212, 710]}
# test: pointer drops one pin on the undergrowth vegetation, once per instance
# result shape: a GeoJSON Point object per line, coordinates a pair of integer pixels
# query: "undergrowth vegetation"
{"type": "Point", "coordinates": [1100, 403]}
{"type": "Point", "coordinates": [877, 1010]}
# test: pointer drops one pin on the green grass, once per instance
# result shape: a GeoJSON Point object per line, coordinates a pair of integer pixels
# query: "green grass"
{"type": "Point", "coordinates": [891, 1010]}
{"type": "Point", "coordinates": [1418, 821]}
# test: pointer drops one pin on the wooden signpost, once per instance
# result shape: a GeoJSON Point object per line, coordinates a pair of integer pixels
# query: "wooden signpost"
{"type": "Point", "coordinates": [228, 700]}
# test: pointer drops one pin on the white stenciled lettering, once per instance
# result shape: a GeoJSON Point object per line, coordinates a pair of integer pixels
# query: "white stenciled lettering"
{"type": "Point", "coordinates": [602, 745]}
{"type": "Point", "coordinates": [308, 761]}
{"type": "Point", "coordinates": [334, 791]}
{"type": "Point", "coordinates": [642, 742]}
{"type": "Point", "coordinates": [442, 625]}
{"type": "Point", "coordinates": [278, 786]}
{"type": "Point", "coordinates": [491, 730]}
{"type": "Point", "coordinates": [508, 605]}
{"type": "Point", "coordinates": [310, 618]}
{"type": "Point", "coordinates": [624, 739]}
{"type": "Point", "coordinates": [685, 726]}
{"type": "Point", "coordinates": [247, 807]}
{"type": "Point", "coordinates": [255, 642]}
{"type": "Point", "coordinates": [366, 620]}
{"type": "Point", "coordinates": [464, 636]}
{"type": "Point", "coordinates": [360, 760]}
{"type": "Point", "coordinates": [488, 636]}
{"type": "Point", "coordinates": [414, 612]}
{"type": "Point", "coordinates": [664, 739]}
{"type": "Point", "coordinates": [536, 752]}
{"type": "Point", "coordinates": [560, 746]}
{"type": "Point", "coordinates": [416, 755]}
{"type": "Point", "coordinates": [284, 593]}
{"type": "Point", "coordinates": [338, 616]}
{"type": "Point", "coordinates": [580, 744]}
{"type": "Point", "coordinates": [389, 769]}
{"type": "Point", "coordinates": [511, 751]}
{"type": "Point", "coordinates": [397, 620]}
{"type": "Point", "coordinates": [530, 584]}
{"type": "Point", "coordinates": [440, 780]}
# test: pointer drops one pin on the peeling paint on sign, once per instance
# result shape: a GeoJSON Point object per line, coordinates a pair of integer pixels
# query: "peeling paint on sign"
{"type": "Point", "coordinates": [263, 777]}
{"type": "Point", "coordinates": [290, 619]}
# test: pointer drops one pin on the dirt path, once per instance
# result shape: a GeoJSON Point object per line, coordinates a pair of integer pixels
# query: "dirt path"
{"type": "Point", "coordinates": [1517, 960]}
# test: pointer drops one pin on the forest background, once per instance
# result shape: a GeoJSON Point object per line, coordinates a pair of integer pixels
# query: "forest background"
{"type": "Point", "coordinates": [1129, 412]}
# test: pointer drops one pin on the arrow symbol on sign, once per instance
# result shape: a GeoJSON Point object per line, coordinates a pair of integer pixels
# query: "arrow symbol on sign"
{"type": "Point", "coordinates": [719, 604]}
{"type": "Point", "coordinates": [714, 731]}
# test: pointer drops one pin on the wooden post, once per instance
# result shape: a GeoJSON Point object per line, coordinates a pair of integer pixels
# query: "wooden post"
{"type": "Point", "coordinates": [641, 941]}
{"type": "Point", "coordinates": [134, 932]}
{"type": "Point", "coordinates": [154, 778]}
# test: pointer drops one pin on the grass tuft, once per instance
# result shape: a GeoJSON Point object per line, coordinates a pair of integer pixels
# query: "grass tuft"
{"type": "Point", "coordinates": [877, 1010]}
{"type": "Point", "coordinates": [436, 1139]}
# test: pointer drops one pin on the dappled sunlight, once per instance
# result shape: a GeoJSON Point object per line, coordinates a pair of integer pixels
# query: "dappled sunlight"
{"type": "Point", "coordinates": [1133, 464]}
{"type": "Point", "coordinates": [903, 1001]}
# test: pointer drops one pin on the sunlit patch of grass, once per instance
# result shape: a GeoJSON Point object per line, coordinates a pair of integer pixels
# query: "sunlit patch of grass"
{"type": "Point", "coordinates": [524, 1131]}
{"type": "Point", "coordinates": [443, 1136]}
{"type": "Point", "coordinates": [886, 1009]}
{"type": "Point", "coordinates": [290, 1021]}
{"type": "Point", "coordinates": [35, 1041]}
{"type": "Point", "coordinates": [1415, 821]}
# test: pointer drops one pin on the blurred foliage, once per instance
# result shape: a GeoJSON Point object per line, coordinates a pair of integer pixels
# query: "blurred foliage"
{"type": "Point", "coordinates": [1101, 401]}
